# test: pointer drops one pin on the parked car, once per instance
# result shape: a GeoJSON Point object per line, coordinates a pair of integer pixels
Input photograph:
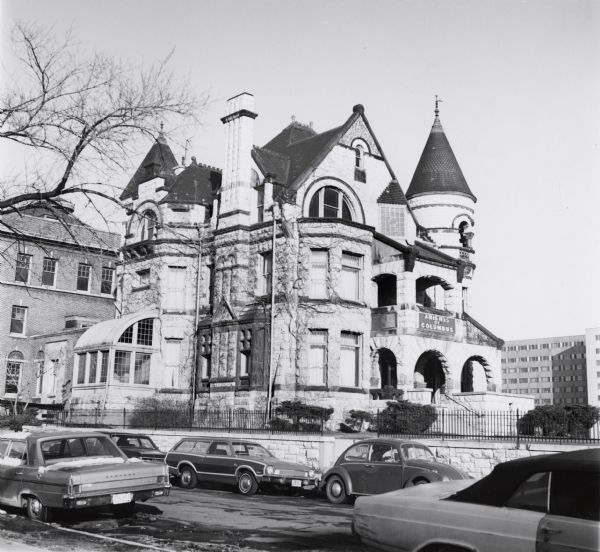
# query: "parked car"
{"type": "Point", "coordinates": [544, 503]}
{"type": "Point", "coordinates": [245, 464]}
{"type": "Point", "coordinates": [377, 466]}
{"type": "Point", "coordinates": [137, 445]}
{"type": "Point", "coordinates": [49, 471]}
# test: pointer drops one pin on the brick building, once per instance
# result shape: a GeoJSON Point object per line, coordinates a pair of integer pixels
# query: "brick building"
{"type": "Point", "coordinates": [311, 235]}
{"type": "Point", "coordinates": [56, 278]}
{"type": "Point", "coordinates": [555, 370]}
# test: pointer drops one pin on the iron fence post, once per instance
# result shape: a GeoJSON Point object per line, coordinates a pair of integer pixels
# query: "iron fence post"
{"type": "Point", "coordinates": [229, 420]}
{"type": "Point", "coordinates": [124, 418]}
{"type": "Point", "coordinates": [378, 424]}
{"type": "Point", "coordinates": [443, 423]}
{"type": "Point", "coordinates": [517, 429]}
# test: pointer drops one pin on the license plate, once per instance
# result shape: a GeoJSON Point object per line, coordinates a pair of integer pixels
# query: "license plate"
{"type": "Point", "coordinates": [122, 498]}
{"type": "Point", "coordinates": [296, 483]}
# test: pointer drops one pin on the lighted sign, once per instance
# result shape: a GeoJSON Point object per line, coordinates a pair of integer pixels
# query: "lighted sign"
{"type": "Point", "coordinates": [436, 323]}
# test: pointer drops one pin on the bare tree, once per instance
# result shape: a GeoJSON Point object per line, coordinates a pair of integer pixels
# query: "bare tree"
{"type": "Point", "coordinates": [79, 116]}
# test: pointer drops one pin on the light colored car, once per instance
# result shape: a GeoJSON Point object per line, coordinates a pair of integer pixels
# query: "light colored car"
{"type": "Point", "coordinates": [245, 464]}
{"type": "Point", "coordinates": [546, 503]}
{"type": "Point", "coordinates": [49, 471]}
{"type": "Point", "coordinates": [376, 466]}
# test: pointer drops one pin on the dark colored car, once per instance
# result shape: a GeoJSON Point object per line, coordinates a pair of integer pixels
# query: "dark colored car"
{"type": "Point", "coordinates": [545, 503]}
{"type": "Point", "coordinates": [377, 466]}
{"type": "Point", "coordinates": [50, 471]}
{"type": "Point", "coordinates": [136, 445]}
{"type": "Point", "coordinates": [245, 464]}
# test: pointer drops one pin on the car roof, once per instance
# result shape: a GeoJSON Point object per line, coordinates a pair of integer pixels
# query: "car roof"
{"type": "Point", "coordinates": [394, 441]}
{"type": "Point", "coordinates": [499, 485]}
{"type": "Point", "coordinates": [43, 434]}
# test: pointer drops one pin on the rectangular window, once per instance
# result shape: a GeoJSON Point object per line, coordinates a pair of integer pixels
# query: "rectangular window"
{"type": "Point", "coordinates": [122, 366]}
{"type": "Point", "coordinates": [317, 358]}
{"type": "Point", "coordinates": [522, 347]}
{"type": "Point", "coordinates": [351, 277]}
{"type": "Point", "coordinates": [266, 273]}
{"type": "Point", "coordinates": [106, 281]}
{"type": "Point", "coordinates": [81, 368]}
{"type": "Point", "coordinates": [93, 367]}
{"type": "Point", "coordinates": [319, 270]}
{"type": "Point", "coordinates": [176, 288]}
{"type": "Point", "coordinates": [104, 367]}
{"type": "Point", "coordinates": [349, 359]}
{"type": "Point", "coordinates": [143, 278]}
{"type": "Point", "coordinates": [13, 376]}
{"type": "Point", "coordinates": [172, 359]}
{"type": "Point", "coordinates": [18, 320]}
{"type": "Point", "coordinates": [245, 352]}
{"type": "Point", "coordinates": [83, 277]}
{"type": "Point", "coordinates": [533, 347]}
{"type": "Point", "coordinates": [545, 345]}
{"type": "Point", "coordinates": [23, 268]}
{"type": "Point", "coordinates": [141, 372]}
{"type": "Point", "coordinates": [49, 272]}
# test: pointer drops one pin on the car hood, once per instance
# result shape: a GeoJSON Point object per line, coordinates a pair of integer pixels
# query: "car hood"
{"type": "Point", "coordinates": [431, 492]}
{"type": "Point", "coordinates": [442, 469]}
{"type": "Point", "coordinates": [284, 466]}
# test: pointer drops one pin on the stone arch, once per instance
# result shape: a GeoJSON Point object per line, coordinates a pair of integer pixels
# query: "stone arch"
{"type": "Point", "coordinates": [146, 213]}
{"type": "Point", "coordinates": [432, 372]}
{"type": "Point", "coordinates": [430, 291]}
{"type": "Point", "coordinates": [388, 368]}
{"type": "Point", "coordinates": [392, 345]}
{"type": "Point", "coordinates": [476, 375]}
{"type": "Point", "coordinates": [346, 189]}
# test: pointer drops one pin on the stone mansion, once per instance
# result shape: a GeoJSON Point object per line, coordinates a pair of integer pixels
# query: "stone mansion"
{"type": "Point", "coordinates": [301, 270]}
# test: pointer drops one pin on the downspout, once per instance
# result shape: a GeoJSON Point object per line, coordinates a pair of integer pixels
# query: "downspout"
{"type": "Point", "coordinates": [196, 318]}
{"type": "Point", "coordinates": [272, 332]}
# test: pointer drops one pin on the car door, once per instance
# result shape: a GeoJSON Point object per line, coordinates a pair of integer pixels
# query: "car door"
{"type": "Point", "coordinates": [219, 462]}
{"type": "Point", "coordinates": [353, 463]}
{"type": "Point", "coordinates": [573, 521]}
{"type": "Point", "coordinates": [11, 471]}
{"type": "Point", "coordinates": [384, 469]}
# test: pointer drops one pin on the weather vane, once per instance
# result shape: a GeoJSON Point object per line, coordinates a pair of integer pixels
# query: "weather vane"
{"type": "Point", "coordinates": [437, 101]}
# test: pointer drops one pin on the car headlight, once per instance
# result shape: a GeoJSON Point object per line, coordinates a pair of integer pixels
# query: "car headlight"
{"type": "Point", "coordinates": [269, 470]}
{"type": "Point", "coordinates": [311, 473]}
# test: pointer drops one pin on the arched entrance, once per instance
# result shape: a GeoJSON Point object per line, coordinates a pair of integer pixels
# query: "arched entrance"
{"type": "Point", "coordinates": [386, 290]}
{"type": "Point", "coordinates": [475, 375]}
{"type": "Point", "coordinates": [388, 369]}
{"type": "Point", "coordinates": [430, 372]}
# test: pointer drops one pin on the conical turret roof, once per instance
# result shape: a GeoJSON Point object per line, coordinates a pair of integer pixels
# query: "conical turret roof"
{"type": "Point", "coordinates": [438, 170]}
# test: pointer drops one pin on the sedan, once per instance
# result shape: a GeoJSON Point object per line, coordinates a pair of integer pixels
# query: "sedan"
{"type": "Point", "coordinates": [377, 466]}
{"type": "Point", "coordinates": [45, 472]}
{"type": "Point", "coordinates": [136, 445]}
{"type": "Point", "coordinates": [546, 503]}
{"type": "Point", "coordinates": [246, 465]}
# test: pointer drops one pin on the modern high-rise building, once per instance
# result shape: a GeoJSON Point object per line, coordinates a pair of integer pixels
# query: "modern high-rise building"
{"type": "Point", "coordinates": [555, 370]}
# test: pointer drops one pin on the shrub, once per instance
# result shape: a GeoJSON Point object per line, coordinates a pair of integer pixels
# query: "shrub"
{"type": "Point", "coordinates": [164, 412]}
{"type": "Point", "coordinates": [298, 416]}
{"type": "Point", "coordinates": [406, 417]}
{"type": "Point", "coordinates": [16, 422]}
{"type": "Point", "coordinates": [559, 421]}
{"type": "Point", "coordinates": [357, 420]}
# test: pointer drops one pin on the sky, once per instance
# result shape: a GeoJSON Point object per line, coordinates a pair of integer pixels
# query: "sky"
{"type": "Point", "coordinates": [519, 82]}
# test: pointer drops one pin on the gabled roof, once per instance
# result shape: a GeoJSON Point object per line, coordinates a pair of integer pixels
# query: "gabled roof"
{"type": "Point", "coordinates": [197, 183]}
{"type": "Point", "coordinates": [438, 170]}
{"type": "Point", "coordinates": [159, 161]}
{"type": "Point", "coordinates": [298, 149]}
{"type": "Point", "coordinates": [392, 195]}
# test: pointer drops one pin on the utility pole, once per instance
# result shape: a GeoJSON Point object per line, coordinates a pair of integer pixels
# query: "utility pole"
{"type": "Point", "coordinates": [275, 212]}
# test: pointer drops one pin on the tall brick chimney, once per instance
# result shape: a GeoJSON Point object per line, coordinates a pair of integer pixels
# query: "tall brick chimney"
{"type": "Point", "coordinates": [235, 190]}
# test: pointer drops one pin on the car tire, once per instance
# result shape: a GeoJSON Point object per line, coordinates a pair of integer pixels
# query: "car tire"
{"type": "Point", "coordinates": [123, 510]}
{"type": "Point", "coordinates": [36, 511]}
{"type": "Point", "coordinates": [247, 484]}
{"type": "Point", "coordinates": [335, 489]}
{"type": "Point", "coordinates": [187, 478]}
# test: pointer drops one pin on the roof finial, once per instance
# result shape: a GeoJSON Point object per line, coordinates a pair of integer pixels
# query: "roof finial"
{"type": "Point", "coordinates": [437, 109]}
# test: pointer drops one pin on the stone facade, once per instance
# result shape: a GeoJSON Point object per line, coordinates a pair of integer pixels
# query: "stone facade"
{"type": "Point", "coordinates": [302, 271]}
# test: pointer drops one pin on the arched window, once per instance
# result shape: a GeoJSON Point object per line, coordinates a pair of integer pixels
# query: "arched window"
{"type": "Point", "coordinates": [359, 151]}
{"type": "Point", "coordinates": [430, 292]}
{"type": "Point", "coordinates": [148, 225]}
{"type": "Point", "coordinates": [330, 202]}
{"type": "Point", "coordinates": [14, 366]}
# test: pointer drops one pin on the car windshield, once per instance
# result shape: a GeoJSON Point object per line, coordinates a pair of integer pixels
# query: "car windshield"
{"type": "Point", "coordinates": [417, 452]}
{"type": "Point", "coordinates": [250, 449]}
{"type": "Point", "coordinates": [67, 448]}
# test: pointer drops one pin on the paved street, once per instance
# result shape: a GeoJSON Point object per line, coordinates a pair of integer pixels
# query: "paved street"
{"type": "Point", "coordinates": [201, 519]}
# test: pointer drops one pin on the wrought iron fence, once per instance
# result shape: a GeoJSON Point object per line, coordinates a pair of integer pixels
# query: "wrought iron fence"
{"type": "Point", "coordinates": [172, 418]}
{"type": "Point", "coordinates": [484, 425]}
